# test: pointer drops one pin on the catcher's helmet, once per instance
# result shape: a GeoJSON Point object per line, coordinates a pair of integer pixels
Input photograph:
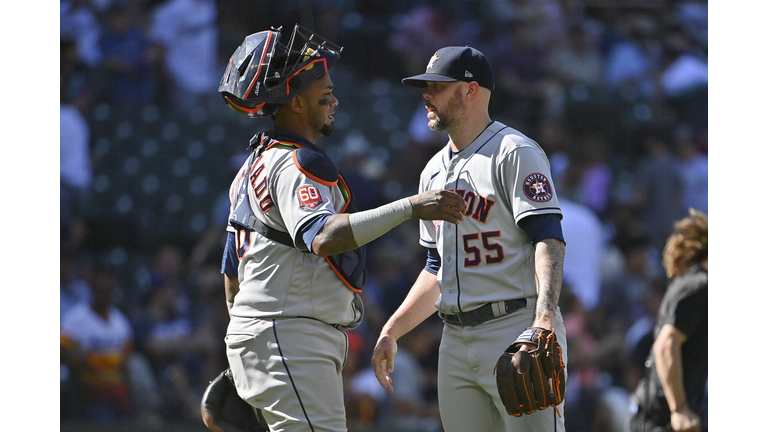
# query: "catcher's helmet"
{"type": "Point", "coordinates": [263, 73]}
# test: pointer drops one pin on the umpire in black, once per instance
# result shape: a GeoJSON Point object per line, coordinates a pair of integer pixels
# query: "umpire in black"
{"type": "Point", "coordinates": [671, 396]}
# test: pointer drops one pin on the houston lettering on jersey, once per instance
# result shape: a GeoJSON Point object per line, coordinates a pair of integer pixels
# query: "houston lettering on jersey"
{"type": "Point", "coordinates": [478, 206]}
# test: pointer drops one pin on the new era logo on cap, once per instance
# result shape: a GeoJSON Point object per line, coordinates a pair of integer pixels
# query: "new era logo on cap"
{"type": "Point", "coordinates": [456, 63]}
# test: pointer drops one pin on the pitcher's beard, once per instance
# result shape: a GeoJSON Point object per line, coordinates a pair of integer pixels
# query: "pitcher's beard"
{"type": "Point", "coordinates": [445, 122]}
{"type": "Point", "coordinates": [440, 125]}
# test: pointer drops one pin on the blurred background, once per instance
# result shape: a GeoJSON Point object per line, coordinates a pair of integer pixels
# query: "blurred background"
{"type": "Point", "coordinates": [615, 91]}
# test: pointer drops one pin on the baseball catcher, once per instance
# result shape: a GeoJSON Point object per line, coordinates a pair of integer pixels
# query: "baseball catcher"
{"type": "Point", "coordinates": [224, 411]}
{"type": "Point", "coordinates": [531, 379]}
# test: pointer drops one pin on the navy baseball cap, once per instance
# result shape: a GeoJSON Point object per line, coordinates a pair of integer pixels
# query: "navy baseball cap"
{"type": "Point", "coordinates": [455, 63]}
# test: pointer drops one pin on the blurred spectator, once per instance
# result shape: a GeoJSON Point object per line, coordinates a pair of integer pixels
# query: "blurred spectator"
{"type": "Point", "coordinates": [639, 337]}
{"type": "Point", "coordinates": [424, 29]}
{"type": "Point", "coordinates": [582, 412]}
{"type": "Point", "coordinates": [621, 296]}
{"type": "Point", "coordinates": [169, 268]}
{"type": "Point", "coordinates": [597, 177]}
{"type": "Point", "coordinates": [75, 169]}
{"type": "Point", "coordinates": [632, 62]}
{"type": "Point", "coordinates": [551, 136]}
{"type": "Point", "coordinates": [187, 31]}
{"type": "Point", "coordinates": [73, 286]}
{"type": "Point", "coordinates": [693, 17]}
{"type": "Point", "coordinates": [522, 75]}
{"type": "Point", "coordinates": [409, 408]}
{"type": "Point", "coordinates": [588, 178]}
{"type": "Point", "coordinates": [683, 70]}
{"type": "Point", "coordinates": [685, 78]}
{"type": "Point", "coordinates": [177, 349]}
{"type": "Point", "coordinates": [213, 318]}
{"type": "Point", "coordinates": [78, 21]}
{"type": "Point", "coordinates": [129, 63]}
{"type": "Point", "coordinates": [660, 187]}
{"type": "Point", "coordinates": [584, 238]}
{"type": "Point", "coordinates": [546, 17]}
{"type": "Point", "coordinates": [75, 160]}
{"type": "Point", "coordinates": [75, 86]}
{"type": "Point", "coordinates": [421, 144]}
{"type": "Point", "coordinates": [209, 246]}
{"type": "Point", "coordinates": [96, 340]}
{"type": "Point", "coordinates": [362, 172]}
{"type": "Point", "coordinates": [577, 65]}
{"type": "Point", "coordinates": [695, 169]}
{"type": "Point", "coordinates": [173, 340]}
{"type": "Point", "coordinates": [361, 399]}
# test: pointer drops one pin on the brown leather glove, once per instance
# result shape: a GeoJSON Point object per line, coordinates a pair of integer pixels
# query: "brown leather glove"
{"type": "Point", "coordinates": [532, 380]}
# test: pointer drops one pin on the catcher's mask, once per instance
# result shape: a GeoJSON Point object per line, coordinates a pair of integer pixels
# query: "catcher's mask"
{"type": "Point", "coordinates": [263, 73]}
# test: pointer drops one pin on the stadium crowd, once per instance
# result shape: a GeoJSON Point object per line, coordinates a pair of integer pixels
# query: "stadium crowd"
{"type": "Point", "coordinates": [614, 91]}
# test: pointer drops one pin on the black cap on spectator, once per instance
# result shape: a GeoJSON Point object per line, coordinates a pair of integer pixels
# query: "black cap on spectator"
{"type": "Point", "coordinates": [455, 63]}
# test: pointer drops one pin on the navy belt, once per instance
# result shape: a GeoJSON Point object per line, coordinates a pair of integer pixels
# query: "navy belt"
{"type": "Point", "coordinates": [484, 313]}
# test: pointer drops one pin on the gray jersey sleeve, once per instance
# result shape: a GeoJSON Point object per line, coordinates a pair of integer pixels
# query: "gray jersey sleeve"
{"type": "Point", "coordinates": [301, 198]}
{"type": "Point", "coordinates": [528, 183]}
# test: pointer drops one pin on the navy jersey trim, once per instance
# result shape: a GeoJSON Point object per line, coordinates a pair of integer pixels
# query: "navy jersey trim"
{"type": "Point", "coordinates": [542, 227]}
{"type": "Point", "coordinates": [434, 261]}
{"type": "Point", "coordinates": [540, 209]}
{"type": "Point", "coordinates": [310, 229]}
{"type": "Point", "coordinates": [229, 261]}
{"type": "Point", "coordinates": [290, 377]}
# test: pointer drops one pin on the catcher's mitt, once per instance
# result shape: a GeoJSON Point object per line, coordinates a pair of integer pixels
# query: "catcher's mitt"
{"type": "Point", "coordinates": [224, 411]}
{"type": "Point", "coordinates": [528, 381]}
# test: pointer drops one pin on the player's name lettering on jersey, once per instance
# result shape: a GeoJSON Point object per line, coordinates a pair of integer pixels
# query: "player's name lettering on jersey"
{"type": "Point", "coordinates": [478, 206]}
{"type": "Point", "coordinates": [259, 185]}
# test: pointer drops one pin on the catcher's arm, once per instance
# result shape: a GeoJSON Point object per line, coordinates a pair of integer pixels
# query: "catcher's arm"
{"type": "Point", "coordinates": [418, 305]}
{"type": "Point", "coordinates": [548, 262]}
{"type": "Point", "coordinates": [668, 356]}
{"type": "Point", "coordinates": [231, 288]}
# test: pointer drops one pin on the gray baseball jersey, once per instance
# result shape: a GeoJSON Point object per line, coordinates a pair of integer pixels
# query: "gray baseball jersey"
{"type": "Point", "coordinates": [504, 176]}
{"type": "Point", "coordinates": [277, 280]}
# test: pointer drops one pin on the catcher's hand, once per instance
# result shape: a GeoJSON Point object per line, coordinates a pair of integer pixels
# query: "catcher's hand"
{"type": "Point", "coordinates": [533, 379]}
{"type": "Point", "coordinates": [224, 411]}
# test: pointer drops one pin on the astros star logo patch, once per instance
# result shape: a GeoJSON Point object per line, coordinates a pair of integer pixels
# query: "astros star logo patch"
{"type": "Point", "coordinates": [432, 61]}
{"type": "Point", "coordinates": [537, 188]}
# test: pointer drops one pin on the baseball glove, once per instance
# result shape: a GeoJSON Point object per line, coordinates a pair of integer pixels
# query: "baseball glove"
{"type": "Point", "coordinates": [224, 411]}
{"type": "Point", "coordinates": [533, 380]}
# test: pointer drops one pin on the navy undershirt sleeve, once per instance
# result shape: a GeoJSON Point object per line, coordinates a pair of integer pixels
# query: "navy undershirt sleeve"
{"type": "Point", "coordinates": [310, 229]}
{"type": "Point", "coordinates": [433, 261]}
{"type": "Point", "coordinates": [229, 261]}
{"type": "Point", "coordinates": [542, 227]}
